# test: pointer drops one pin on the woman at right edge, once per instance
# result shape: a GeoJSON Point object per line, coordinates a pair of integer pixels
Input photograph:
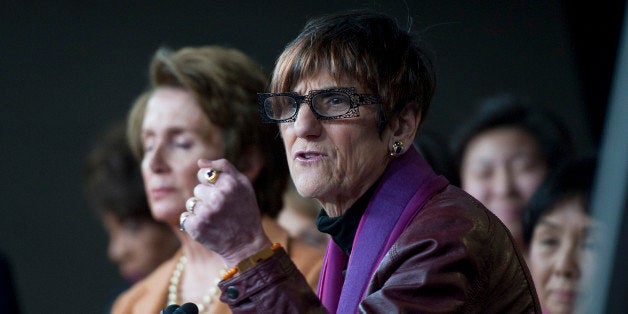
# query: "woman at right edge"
{"type": "Point", "coordinates": [349, 94]}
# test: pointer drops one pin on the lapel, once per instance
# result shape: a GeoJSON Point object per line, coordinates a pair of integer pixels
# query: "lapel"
{"type": "Point", "coordinates": [405, 187]}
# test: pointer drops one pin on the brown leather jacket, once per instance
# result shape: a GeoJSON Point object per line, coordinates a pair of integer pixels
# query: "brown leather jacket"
{"type": "Point", "coordinates": [454, 257]}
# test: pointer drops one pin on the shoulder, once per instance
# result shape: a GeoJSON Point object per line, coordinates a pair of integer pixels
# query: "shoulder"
{"type": "Point", "coordinates": [454, 228]}
{"type": "Point", "coordinates": [452, 207]}
{"type": "Point", "coordinates": [454, 233]}
{"type": "Point", "coordinates": [450, 219]}
{"type": "Point", "coordinates": [455, 199]}
{"type": "Point", "coordinates": [453, 217]}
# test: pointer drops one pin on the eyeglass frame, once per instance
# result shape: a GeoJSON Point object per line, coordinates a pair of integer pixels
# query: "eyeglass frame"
{"type": "Point", "coordinates": [355, 98]}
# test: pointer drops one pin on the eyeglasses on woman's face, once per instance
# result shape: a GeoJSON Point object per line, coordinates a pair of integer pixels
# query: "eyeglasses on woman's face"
{"type": "Point", "coordinates": [327, 104]}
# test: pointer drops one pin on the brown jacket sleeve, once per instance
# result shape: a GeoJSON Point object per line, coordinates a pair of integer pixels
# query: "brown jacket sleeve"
{"type": "Point", "coordinates": [274, 285]}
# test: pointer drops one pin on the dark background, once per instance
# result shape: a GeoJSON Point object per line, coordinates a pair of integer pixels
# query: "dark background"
{"type": "Point", "coordinates": [69, 68]}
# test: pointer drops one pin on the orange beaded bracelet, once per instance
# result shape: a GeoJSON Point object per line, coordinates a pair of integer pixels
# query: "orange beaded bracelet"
{"type": "Point", "coordinates": [251, 261]}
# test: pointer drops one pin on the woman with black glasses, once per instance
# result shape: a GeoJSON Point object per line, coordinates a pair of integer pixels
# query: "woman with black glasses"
{"type": "Point", "coordinates": [349, 94]}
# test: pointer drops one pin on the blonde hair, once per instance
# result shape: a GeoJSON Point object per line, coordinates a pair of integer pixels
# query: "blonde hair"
{"type": "Point", "coordinates": [225, 83]}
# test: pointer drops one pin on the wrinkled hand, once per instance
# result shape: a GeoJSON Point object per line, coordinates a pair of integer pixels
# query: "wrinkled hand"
{"type": "Point", "coordinates": [226, 218]}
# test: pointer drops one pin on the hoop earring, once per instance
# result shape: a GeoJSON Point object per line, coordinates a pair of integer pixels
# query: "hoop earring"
{"type": "Point", "coordinates": [397, 148]}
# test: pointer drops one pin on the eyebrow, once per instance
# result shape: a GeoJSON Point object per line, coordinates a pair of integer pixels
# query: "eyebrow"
{"type": "Point", "coordinates": [587, 230]}
{"type": "Point", "coordinates": [549, 224]}
{"type": "Point", "coordinates": [169, 131]}
{"type": "Point", "coordinates": [324, 88]}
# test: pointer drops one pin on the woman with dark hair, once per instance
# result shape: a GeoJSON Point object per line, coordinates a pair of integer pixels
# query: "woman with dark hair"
{"type": "Point", "coordinates": [503, 152]}
{"type": "Point", "coordinates": [349, 94]}
{"type": "Point", "coordinates": [560, 234]}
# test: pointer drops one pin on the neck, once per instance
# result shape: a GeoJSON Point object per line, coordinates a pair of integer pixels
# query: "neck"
{"type": "Point", "coordinates": [339, 206]}
{"type": "Point", "coordinates": [333, 210]}
{"type": "Point", "coordinates": [202, 269]}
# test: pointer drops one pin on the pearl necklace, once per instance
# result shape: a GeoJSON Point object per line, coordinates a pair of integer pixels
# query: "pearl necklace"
{"type": "Point", "coordinates": [173, 288]}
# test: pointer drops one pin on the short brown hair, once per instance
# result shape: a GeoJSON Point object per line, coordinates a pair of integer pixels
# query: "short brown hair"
{"type": "Point", "coordinates": [224, 81]}
{"type": "Point", "coordinates": [366, 46]}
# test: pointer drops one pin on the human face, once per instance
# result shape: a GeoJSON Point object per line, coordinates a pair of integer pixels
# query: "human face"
{"type": "Point", "coordinates": [138, 246]}
{"type": "Point", "coordinates": [560, 250]}
{"type": "Point", "coordinates": [175, 135]}
{"type": "Point", "coordinates": [502, 168]}
{"type": "Point", "coordinates": [334, 161]}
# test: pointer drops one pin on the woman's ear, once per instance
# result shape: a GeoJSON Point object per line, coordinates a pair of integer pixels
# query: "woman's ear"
{"type": "Point", "coordinates": [405, 125]}
{"type": "Point", "coordinates": [252, 162]}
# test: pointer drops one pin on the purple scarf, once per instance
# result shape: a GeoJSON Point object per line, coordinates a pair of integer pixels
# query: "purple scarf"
{"type": "Point", "coordinates": [405, 187]}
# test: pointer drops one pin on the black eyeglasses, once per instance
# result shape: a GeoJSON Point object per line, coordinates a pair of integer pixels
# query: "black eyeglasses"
{"type": "Point", "coordinates": [327, 104]}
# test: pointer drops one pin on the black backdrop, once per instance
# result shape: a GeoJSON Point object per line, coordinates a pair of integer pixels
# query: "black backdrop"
{"type": "Point", "coordinates": [69, 68]}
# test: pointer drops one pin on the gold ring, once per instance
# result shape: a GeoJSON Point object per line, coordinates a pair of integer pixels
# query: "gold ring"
{"type": "Point", "coordinates": [190, 203]}
{"type": "Point", "coordinates": [212, 175]}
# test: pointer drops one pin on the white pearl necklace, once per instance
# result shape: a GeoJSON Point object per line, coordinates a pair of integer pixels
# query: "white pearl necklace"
{"type": "Point", "coordinates": [173, 288]}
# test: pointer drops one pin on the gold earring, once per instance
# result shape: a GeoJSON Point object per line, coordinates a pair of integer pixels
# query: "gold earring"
{"type": "Point", "coordinates": [397, 148]}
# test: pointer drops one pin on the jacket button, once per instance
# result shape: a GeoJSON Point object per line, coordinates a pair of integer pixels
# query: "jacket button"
{"type": "Point", "coordinates": [232, 293]}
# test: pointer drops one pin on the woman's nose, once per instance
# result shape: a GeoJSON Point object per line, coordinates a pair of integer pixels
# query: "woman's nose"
{"type": "Point", "coordinates": [156, 160]}
{"type": "Point", "coordinates": [306, 125]}
{"type": "Point", "coordinates": [567, 263]}
{"type": "Point", "coordinates": [504, 182]}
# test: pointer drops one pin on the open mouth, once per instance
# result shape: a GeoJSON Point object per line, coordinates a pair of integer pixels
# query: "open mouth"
{"type": "Point", "coordinates": [309, 156]}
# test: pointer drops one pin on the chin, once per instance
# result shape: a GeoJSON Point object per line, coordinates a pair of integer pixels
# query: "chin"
{"type": "Point", "coordinates": [559, 309]}
{"type": "Point", "coordinates": [166, 214]}
{"type": "Point", "coordinates": [307, 190]}
{"type": "Point", "coordinates": [560, 306]}
{"type": "Point", "coordinates": [133, 278]}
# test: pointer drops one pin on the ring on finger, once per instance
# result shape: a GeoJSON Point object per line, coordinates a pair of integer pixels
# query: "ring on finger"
{"type": "Point", "coordinates": [182, 219]}
{"type": "Point", "coordinates": [212, 175]}
{"type": "Point", "coordinates": [190, 203]}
